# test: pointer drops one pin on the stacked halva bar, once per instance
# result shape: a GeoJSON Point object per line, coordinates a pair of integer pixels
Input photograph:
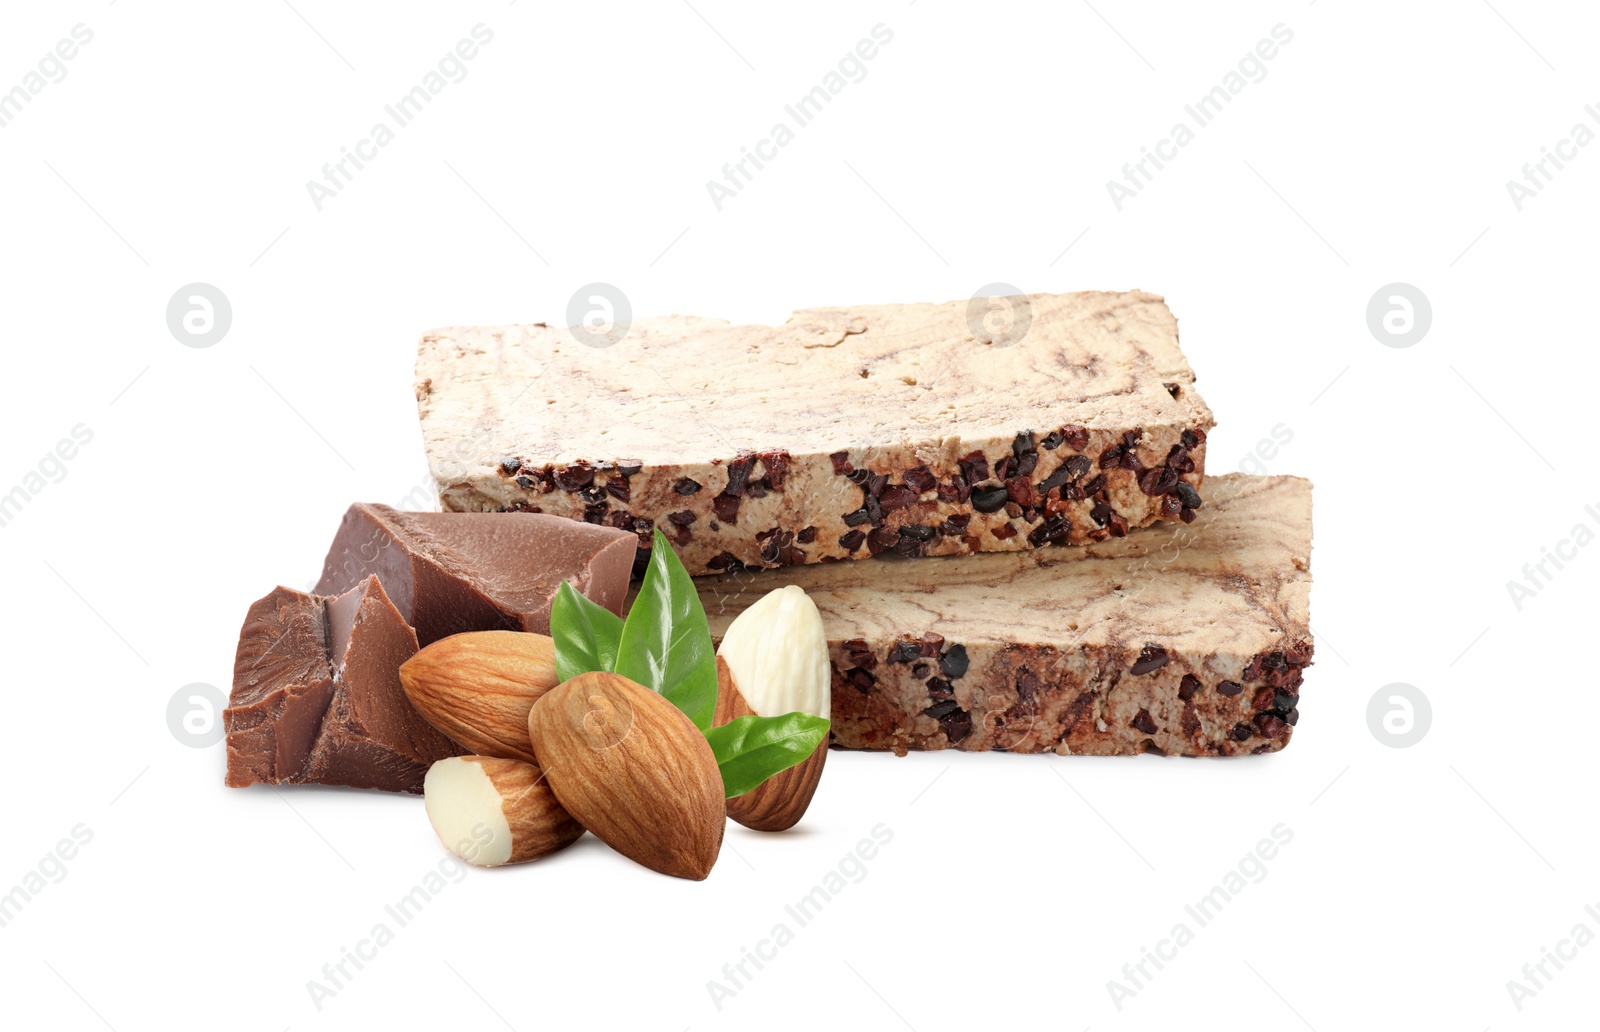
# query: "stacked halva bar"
{"type": "Point", "coordinates": [1045, 566]}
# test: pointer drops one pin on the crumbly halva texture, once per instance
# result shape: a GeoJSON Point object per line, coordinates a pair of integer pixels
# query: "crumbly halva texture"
{"type": "Point", "coordinates": [1188, 640]}
{"type": "Point", "coordinates": [904, 430]}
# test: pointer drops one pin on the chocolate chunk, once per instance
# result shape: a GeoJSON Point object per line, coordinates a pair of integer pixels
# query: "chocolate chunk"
{"type": "Point", "coordinates": [859, 477]}
{"type": "Point", "coordinates": [806, 536]}
{"type": "Point", "coordinates": [896, 496]}
{"type": "Point", "coordinates": [956, 524]}
{"type": "Point", "coordinates": [1144, 722]}
{"type": "Point", "coordinates": [1292, 717]}
{"type": "Point", "coordinates": [1229, 688]}
{"type": "Point", "coordinates": [841, 463]}
{"type": "Point", "coordinates": [1027, 463]}
{"type": "Point", "coordinates": [526, 483]}
{"type": "Point", "coordinates": [1187, 515]}
{"type": "Point", "coordinates": [939, 688]}
{"type": "Point", "coordinates": [1101, 513]}
{"type": "Point", "coordinates": [1054, 480]}
{"type": "Point", "coordinates": [920, 480]}
{"type": "Point", "coordinates": [1077, 437]}
{"type": "Point", "coordinates": [882, 539]}
{"type": "Point", "coordinates": [1006, 468]}
{"type": "Point", "coordinates": [685, 486]}
{"type": "Point", "coordinates": [1053, 440]}
{"type": "Point", "coordinates": [919, 533]}
{"type": "Point", "coordinates": [857, 518]}
{"type": "Point", "coordinates": [943, 709]}
{"type": "Point", "coordinates": [317, 695]}
{"type": "Point", "coordinates": [725, 561]}
{"type": "Point", "coordinates": [852, 540]}
{"type": "Point", "coordinates": [862, 680]}
{"type": "Point", "coordinates": [682, 519]}
{"type": "Point", "coordinates": [617, 487]}
{"type": "Point", "coordinates": [629, 467]}
{"type": "Point", "coordinates": [1252, 672]}
{"type": "Point", "coordinates": [1188, 495]}
{"type": "Point", "coordinates": [1005, 532]}
{"type": "Point", "coordinates": [1263, 700]}
{"type": "Point", "coordinates": [1094, 485]}
{"type": "Point", "coordinates": [1193, 439]}
{"type": "Point", "coordinates": [1117, 524]}
{"type": "Point", "coordinates": [1188, 686]}
{"type": "Point", "coordinates": [1178, 459]}
{"type": "Point", "coordinates": [1152, 748]}
{"type": "Point", "coordinates": [1055, 529]}
{"type": "Point", "coordinates": [448, 572]}
{"type": "Point", "coordinates": [989, 499]}
{"type": "Point", "coordinates": [1151, 657]}
{"type": "Point", "coordinates": [1283, 702]}
{"type": "Point", "coordinates": [575, 477]}
{"type": "Point", "coordinates": [1172, 389]}
{"type": "Point", "coordinates": [509, 466]}
{"type": "Point", "coordinates": [931, 643]}
{"type": "Point", "coordinates": [1242, 732]}
{"type": "Point", "coordinates": [1130, 438]}
{"type": "Point", "coordinates": [1171, 508]}
{"type": "Point", "coordinates": [953, 664]}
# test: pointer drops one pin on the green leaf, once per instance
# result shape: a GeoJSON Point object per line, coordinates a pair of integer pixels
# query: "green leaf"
{"type": "Point", "coordinates": [750, 750]}
{"type": "Point", "coordinates": [666, 642]}
{"type": "Point", "coordinates": [587, 634]}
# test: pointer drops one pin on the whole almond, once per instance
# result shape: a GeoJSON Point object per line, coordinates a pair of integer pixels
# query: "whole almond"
{"type": "Point", "coordinates": [478, 687]}
{"type": "Point", "coordinates": [633, 769]}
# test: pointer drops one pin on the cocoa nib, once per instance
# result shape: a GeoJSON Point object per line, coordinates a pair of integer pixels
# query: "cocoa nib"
{"type": "Point", "coordinates": [1151, 657]}
{"type": "Point", "coordinates": [881, 539]}
{"type": "Point", "coordinates": [953, 664]}
{"type": "Point", "coordinates": [1053, 440]}
{"type": "Point", "coordinates": [955, 525]}
{"type": "Point", "coordinates": [806, 536]}
{"type": "Point", "coordinates": [1158, 480]}
{"type": "Point", "coordinates": [975, 467]}
{"type": "Point", "coordinates": [989, 499]}
{"type": "Point", "coordinates": [776, 465]}
{"type": "Point", "coordinates": [1263, 700]}
{"type": "Point", "coordinates": [957, 725]}
{"type": "Point", "coordinates": [861, 679]}
{"type": "Point", "coordinates": [857, 518]}
{"type": "Point", "coordinates": [1188, 495]}
{"type": "Point", "coordinates": [916, 532]}
{"type": "Point", "coordinates": [1171, 508]}
{"type": "Point", "coordinates": [1172, 389]}
{"type": "Point", "coordinates": [686, 486]}
{"type": "Point", "coordinates": [939, 688]}
{"type": "Point", "coordinates": [628, 467]}
{"type": "Point", "coordinates": [852, 540]}
{"type": "Point", "coordinates": [575, 477]}
{"type": "Point", "coordinates": [1270, 725]}
{"type": "Point", "coordinates": [940, 710]}
{"type": "Point", "coordinates": [509, 466]}
{"type": "Point", "coordinates": [1130, 438]}
{"type": "Point", "coordinates": [1242, 732]}
{"type": "Point", "coordinates": [1193, 439]}
{"type": "Point", "coordinates": [1229, 688]}
{"type": "Point", "coordinates": [920, 480]}
{"type": "Point", "coordinates": [1020, 490]}
{"type": "Point", "coordinates": [1005, 532]}
{"type": "Point", "coordinates": [1178, 459]}
{"type": "Point", "coordinates": [1054, 530]}
{"type": "Point", "coordinates": [1144, 722]}
{"type": "Point", "coordinates": [1094, 486]}
{"type": "Point", "coordinates": [905, 652]}
{"type": "Point", "coordinates": [618, 488]}
{"type": "Point", "coordinates": [931, 644]}
{"type": "Point", "coordinates": [1188, 686]}
{"type": "Point", "coordinates": [1111, 458]}
{"type": "Point", "coordinates": [1077, 437]}
{"type": "Point", "coordinates": [739, 473]}
{"type": "Point", "coordinates": [841, 463]}
{"type": "Point", "coordinates": [1006, 468]}
{"type": "Point", "coordinates": [896, 496]}
{"type": "Point", "coordinates": [1101, 513]}
{"type": "Point", "coordinates": [726, 506]}
{"type": "Point", "coordinates": [1298, 654]}
{"type": "Point", "coordinates": [1118, 525]}
{"type": "Point", "coordinates": [724, 561]}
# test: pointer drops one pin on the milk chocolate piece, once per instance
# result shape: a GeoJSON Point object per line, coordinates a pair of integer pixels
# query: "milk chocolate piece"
{"type": "Point", "coordinates": [845, 433]}
{"type": "Point", "coordinates": [450, 572]}
{"type": "Point", "coordinates": [1143, 643]}
{"type": "Point", "coordinates": [317, 695]}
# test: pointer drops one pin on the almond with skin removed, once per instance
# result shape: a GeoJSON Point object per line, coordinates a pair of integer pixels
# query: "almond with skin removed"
{"type": "Point", "coordinates": [630, 767]}
{"type": "Point", "coordinates": [774, 660]}
{"type": "Point", "coordinates": [478, 687]}
{"type": "Point", "coordinates": [491, 811]}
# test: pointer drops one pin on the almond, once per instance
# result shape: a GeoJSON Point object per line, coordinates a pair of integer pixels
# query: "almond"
{"type": "Point", "coordinates": [774, 660]}
{"type": "Point", "coordinates": [491, 811]}
{"type": "Point", "coordinates": [778, 803]}
{"type": "Point", "coordinates": [478, 687]}
{"type": "Point", "coordinates": [633, 769]}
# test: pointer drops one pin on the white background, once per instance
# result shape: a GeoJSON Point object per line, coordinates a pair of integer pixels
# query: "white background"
{"type": "Point", "coordinates": [1419, 881]}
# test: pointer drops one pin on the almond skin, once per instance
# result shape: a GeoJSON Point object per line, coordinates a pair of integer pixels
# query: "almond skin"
{"type": "Point", "coordinates": [632, 768]}
{"type": "Point", "coordinates": [778, 803]}
{"type": "Point", "coordinates": [477, 688]}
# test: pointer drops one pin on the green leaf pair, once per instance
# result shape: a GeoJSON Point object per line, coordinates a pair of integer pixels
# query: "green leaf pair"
{"type": "Point", "coordinates": [665, 645]}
